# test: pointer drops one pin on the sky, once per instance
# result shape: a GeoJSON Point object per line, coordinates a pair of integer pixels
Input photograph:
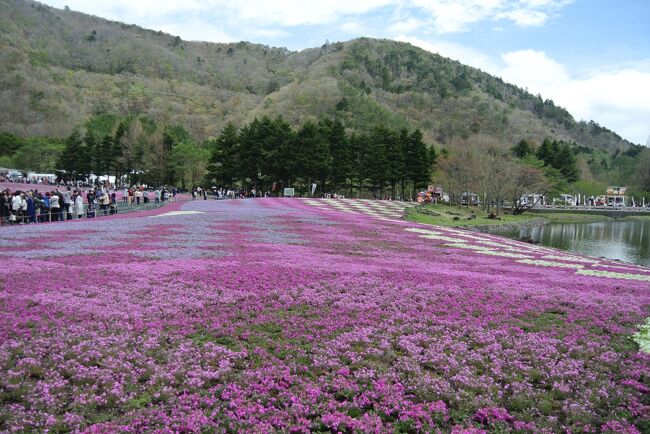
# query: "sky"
{"type": "Point", "coordinates": [590, 56]}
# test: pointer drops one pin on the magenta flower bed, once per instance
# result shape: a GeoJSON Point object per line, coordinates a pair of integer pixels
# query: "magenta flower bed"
{"type": "Point", "coordinates": [277, 315]}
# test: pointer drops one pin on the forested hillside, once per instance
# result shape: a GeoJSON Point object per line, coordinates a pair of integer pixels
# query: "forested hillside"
{"type": "Point", "coordinates": [60, 67]}
{"type": "Point", "coordinates": [61, 70]}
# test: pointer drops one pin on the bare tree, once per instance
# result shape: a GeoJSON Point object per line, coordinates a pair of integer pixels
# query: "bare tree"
{"type": "Point", "coordinates": [498, 170]}
{"type": "Point", "coordinates": [463, 173]}
{"type": "Point", "coordinates": [531, 182]}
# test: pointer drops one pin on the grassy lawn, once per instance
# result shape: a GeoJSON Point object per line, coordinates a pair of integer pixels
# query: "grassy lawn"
{"type": "Point", "coordinates": [474, 216]}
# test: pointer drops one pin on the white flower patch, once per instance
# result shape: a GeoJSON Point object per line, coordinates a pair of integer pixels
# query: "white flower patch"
{"type": "Point", "coordinates": [421, 231]}
{"type": "Point", "coordinates": [439, 237]}
{"type": "Point", "coordinates": [550, 263]}
{"type": "Point", "coordinates": [504, 254]}
{"type": "Point", "coordinates": [642, 337]}
{"type": "Point", "coordinates": [572, 259]}
{"type": "Point", "coordinates": [626, 267]}
{"type": "Point", "coordinates": [173, 213]}
{"type": "Point", "coordinates": [460, 245]}
{"type": "Point", "coordinates": [614, 275]}
{"type": "Point", "coordinates": [496, 244]}
{"type": "Point", "coordinates": [489, 252]}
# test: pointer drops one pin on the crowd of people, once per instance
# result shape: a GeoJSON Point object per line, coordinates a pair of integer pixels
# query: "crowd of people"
{"type": "Point", "coordinates": [63, 203]}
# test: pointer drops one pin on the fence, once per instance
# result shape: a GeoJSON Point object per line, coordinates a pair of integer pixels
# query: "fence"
{"type": "Point", "coordinates": [96, 211]}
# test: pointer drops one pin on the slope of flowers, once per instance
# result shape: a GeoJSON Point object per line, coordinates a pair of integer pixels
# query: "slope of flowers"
{"type": "Point", "coordinates": [278, 315]}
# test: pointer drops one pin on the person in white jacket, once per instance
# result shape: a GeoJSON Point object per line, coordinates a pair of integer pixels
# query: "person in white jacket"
{"type": "Point", "coordinates": [16, 203]}
{"type": "Point", "coordinates": [79, 204]}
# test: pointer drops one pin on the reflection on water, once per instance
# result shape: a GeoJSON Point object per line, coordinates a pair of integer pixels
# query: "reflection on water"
{"type": "Point", "coordinates": [627, 241]}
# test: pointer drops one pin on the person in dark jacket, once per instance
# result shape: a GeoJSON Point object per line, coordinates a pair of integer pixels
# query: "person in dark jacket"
{"type": "Point", "coordinates": [4, 208]}
{"type": "Point", "coordinates": [31, 208]}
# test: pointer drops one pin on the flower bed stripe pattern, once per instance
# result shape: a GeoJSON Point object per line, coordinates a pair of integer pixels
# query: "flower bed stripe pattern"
{"type": "Point", "coordinates": [292, 315]}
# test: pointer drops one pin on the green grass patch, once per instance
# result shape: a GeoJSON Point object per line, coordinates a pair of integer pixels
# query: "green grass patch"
{"type": "Point", "coordinates": [446, 215]}
{"type": "Point", "coordinates": [453, 216]}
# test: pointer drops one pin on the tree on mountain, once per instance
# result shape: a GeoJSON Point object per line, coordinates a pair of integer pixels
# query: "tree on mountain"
{"type": "Point", "coordinates": [9, 143]}
{"type": "Point", "coordinates": [566, 163]}
{"type": "Point", "coordinates": [522, 149]}
{"type": "Point", "coordinates": [642, 172]}
{"type": "Point", "coordinates": [560, 156]}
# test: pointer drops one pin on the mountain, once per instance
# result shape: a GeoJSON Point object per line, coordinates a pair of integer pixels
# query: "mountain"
{"type": "Point", "coordinates": [58, 68]}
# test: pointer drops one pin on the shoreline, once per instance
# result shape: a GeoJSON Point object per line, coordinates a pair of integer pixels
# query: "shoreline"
{"type": "Point", "coordinates": [497, 227]}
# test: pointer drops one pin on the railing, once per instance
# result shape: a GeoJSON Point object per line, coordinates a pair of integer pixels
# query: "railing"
{"type": "Point", "coordinates": [594, 208]}
{"type": "Point", "coordinates": [96, 211]}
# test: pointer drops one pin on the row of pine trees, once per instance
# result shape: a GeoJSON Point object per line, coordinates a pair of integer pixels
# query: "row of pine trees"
{"type": "Point", "coordinates": [266, 154]}
{"type": "Point", "coordinates": [269, 154]}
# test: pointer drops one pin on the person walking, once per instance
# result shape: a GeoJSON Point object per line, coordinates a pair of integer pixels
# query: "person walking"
{"type": "Point", "coordinates": [4, 207]}
{"type": "Point", "coordinates": [23, 208]}
{"type": "Point", "coordinates": [45, 208]}
{"type": "Point", "coordinates": [15, 206]}
{"type": "Point", "coordinates": [113, 204]}
{"type": "Point", "coordinates": [31, 208]}
{"type": "Point", "coordinates": [104, 201]}
{"type": "Point", "coordinates": [90, 197]}
{"type": "Point", "coordinates": [79, 205]}
{"type": "Point", "coordinates": [67, 203]}
{"type": "Point", "coordinates": [55, 207]}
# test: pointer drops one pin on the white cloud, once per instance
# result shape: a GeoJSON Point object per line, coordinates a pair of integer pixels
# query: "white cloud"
{"type": "Point", "coordinates": [616, 99]}
{"type": "Point", "coordinates": [525, 17]}
{"type": "Point", "coordinates": [405, 26]}
{"type": "Point", "coordinates": [354, 27]}
{"type": "Point", "coordinates": [534, 68]}
{"type": "Point", "coordinates": [445, 16]}
{"type": "Point", "coordinates": [458, 52]}
{"type": "Point", "coordinates": [130, 9]}
{"type": "Point", "coordinates": [195, 30]}
{"type": "Point", "coordinates": [451, 16]}
{"type": "Point", "coordinates": [299, 12]}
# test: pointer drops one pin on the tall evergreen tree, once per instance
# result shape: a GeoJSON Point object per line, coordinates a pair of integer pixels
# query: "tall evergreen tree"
{"type": "Point", "coordinates": [522, 149]}
{"type": "Point", "coordinates": [105, 155]}
{"type": "Point", "coordinates": [250, 142]}
{"type": "Point", "coordinates": [396, 165]}
{"type": "Point", "coordinates": [223, 166]}
{"type": "Point", "coordinates": [376, 159]}
{"type": "Point", "coordinates": [340, 150]}
{"type": "Point", "coordinates": [313, 158]}
{"type": "Point", "coordinates": [418, 160]}
{"type": "Point", "coordinates": [70, 158]}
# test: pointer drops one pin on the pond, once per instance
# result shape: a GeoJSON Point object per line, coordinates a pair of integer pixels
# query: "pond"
{"type": "Point", "coordinates": [627, 241]}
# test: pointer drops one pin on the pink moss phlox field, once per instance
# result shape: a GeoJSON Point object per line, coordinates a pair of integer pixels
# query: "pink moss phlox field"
{"type": "Point", "coordinates": [284, 315]}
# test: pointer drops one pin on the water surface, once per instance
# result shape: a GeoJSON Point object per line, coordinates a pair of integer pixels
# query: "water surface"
{"type": "Point", "coordinates": [627, 241]}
